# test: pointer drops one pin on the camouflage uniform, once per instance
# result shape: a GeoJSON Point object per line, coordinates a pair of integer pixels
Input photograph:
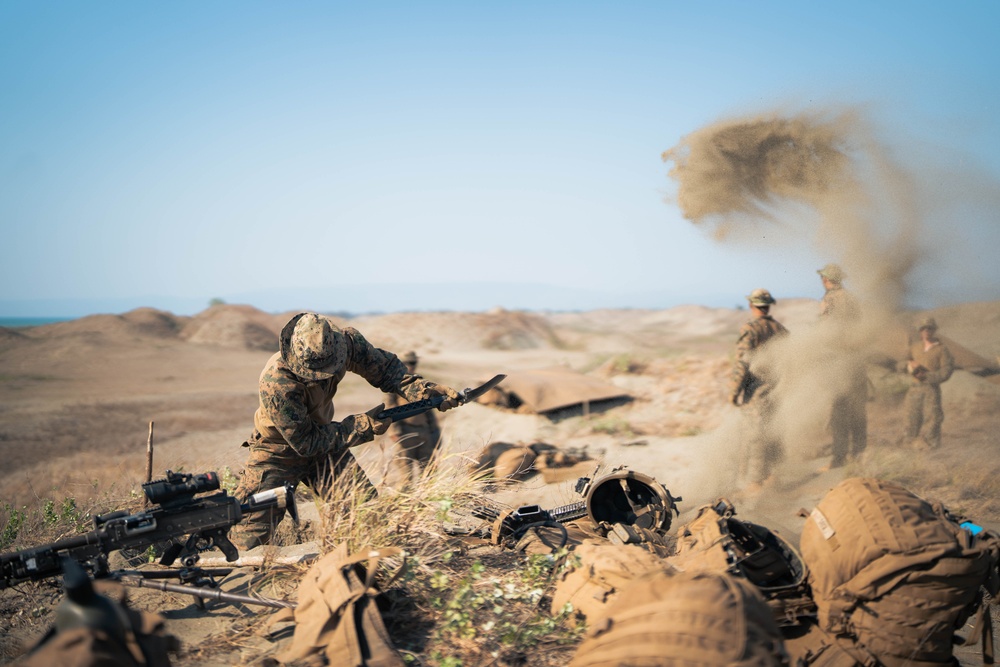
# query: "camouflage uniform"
{"type": "Point", "coordinates": [415, 438]}
{"type": "Point", "coordinates": [751, 388]}
{"type": "Point", "coordinates": [848, 415]}
{"type": "Point", "coordinates": [923, 400]}
{"type": "Point", "coordinates": [295, 438]}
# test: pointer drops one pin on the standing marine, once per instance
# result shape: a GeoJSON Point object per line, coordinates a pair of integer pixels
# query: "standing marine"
{"type": "Point", "coordinates": [848, 414]}
{"type": "Point", "coordinates": [929, 363]}
{"type": "Point", "coordinates": [415, 438]}
{"type": "Point", "coordinates": [295, 438]}
{"type": "Point", "coordinates": [751, 385]}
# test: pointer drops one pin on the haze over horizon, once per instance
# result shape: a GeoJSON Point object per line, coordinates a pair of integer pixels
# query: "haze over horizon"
{"type": "Point", "coordinates": [449, 157]}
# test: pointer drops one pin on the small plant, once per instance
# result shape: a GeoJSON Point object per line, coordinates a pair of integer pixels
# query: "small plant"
{"type": "Point", "coordinates": [612, 426]}
{"type": "Point", "coordinates": [15, 520]}
{"type": "Point", "coordinates": [229, 480]}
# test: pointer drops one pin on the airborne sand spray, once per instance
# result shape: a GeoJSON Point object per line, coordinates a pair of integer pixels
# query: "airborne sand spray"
{"type": "Point", "coordinates": [813, 179]}
{"type": "Point", "coordinates": [810, 179]}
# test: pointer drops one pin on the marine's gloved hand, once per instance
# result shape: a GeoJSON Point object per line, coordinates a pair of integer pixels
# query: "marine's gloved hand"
{"type": "Point", "coordinates": [420, 389]}
{"type": "Point", "coordinates": [359, 429]}
{"type": "Point", "coordinates": [451, 397]}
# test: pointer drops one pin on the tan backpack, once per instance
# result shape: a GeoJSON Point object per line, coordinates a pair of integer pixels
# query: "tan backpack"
{"type": "Point", "coordinates": [515, 463]}
{"type": "Point", "coordinates": [595, 571]}
{"type": "Point", "coordinates": [685, 619]}
{"type": "Point", "coordinates": [892, 576]}
{"type": "Point", "coordinates": [337, 621]}
{"type": "Point", "coordinates": [142, 640]}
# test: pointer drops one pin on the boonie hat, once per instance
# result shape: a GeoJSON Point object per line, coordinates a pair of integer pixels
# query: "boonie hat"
{"type": "Point", "coordinates": [313, 347]}
{"type": "Point", "coordinates": [409, 358]}
{"type": "Point", "coordinates": [833, 273]}
{"type": "Point", "coordinates": [761, 297]}
{"type": "Point", "coordinates": [927, 323]}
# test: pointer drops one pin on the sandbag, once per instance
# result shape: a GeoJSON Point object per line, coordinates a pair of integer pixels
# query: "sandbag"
{"type": "Point", "coordinates": [596, 571]}
{"type": "Point", "coordinates": [683, 619]}
{"type": "Point", "coordinates": [892, 576]}
{"type": "Point", "coordinates": [337, 621]}
{"type": "Point", "coordinates": [515, 463]}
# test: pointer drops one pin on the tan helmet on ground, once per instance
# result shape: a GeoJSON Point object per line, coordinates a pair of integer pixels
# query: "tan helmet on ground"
{"type": "Point", "coordinates": [761, 297]}
{"type": "Point", "coordinates": [313, 347]}
{"type": "Point", "coordinates": [928, 323]}
{"type": "Point", "coordinates": [833, 273]}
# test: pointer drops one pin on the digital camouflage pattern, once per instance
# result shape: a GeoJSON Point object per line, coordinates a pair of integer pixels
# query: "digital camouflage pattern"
{"type": "Point", "coordinates": [923, 400]}
{"type": "Point", "coordinates": [313, 346]}
{"type": "Point", "coordinates": [416, 438]}
{"type": "Point", "coordinates": [761, 449]}
{"type": "Point", "coordinates": [839, 303]}
{"type": "Point", "coordinates": [833, 273]}
{"type": "Point", "coordinates": [848, 415]}
{"type": "Point", "coordinates": [295, 438]}
{"type": "Point", "coordinates": [745, 383]}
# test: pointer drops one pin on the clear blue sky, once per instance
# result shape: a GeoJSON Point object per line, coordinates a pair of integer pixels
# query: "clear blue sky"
{"type": "Point", "coordinates": [157, 152]}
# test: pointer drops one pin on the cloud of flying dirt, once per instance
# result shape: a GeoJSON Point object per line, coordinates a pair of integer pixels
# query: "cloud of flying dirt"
{"type": "Point", "coordinates": [810, 179]}
{"type": "Point", "coordinates": [817, 179]}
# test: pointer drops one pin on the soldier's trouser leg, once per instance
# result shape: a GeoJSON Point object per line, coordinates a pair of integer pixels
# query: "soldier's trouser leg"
{"type": "Point", "coordinates": [840, 429]}
{"type": "Point", "coordinates": [935, 416]}
{"type": "Point", "coordinates": [766, 451]}
{"type": "Point", "coordinates": [859, 425]}
{"type": "Point", "coordinates": [914, 411]}
{"type": "Point", "coordinates": [265, 470]}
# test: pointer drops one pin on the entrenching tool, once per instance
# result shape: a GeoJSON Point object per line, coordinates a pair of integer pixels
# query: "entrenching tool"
{"type": "Point", "coordinates": [419, 407]}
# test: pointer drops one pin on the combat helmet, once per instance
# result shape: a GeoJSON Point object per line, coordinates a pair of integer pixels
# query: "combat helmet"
{"type": "Point", "coordinates": [928, 323]}
{"type": "Point", "coordinates": [833, 273]}
{"type": "Point", "coordinates": [410, 358]}
{"type": "Point", "coordinates": [761, 297]}
{"type": "Point", "coordinates": [313, 347]}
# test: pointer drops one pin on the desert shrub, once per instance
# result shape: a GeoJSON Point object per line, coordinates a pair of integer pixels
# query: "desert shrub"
{"type": "Point", "coordinates": [450, 608]}
{"type": "Point", "coordinates": [612, 426]}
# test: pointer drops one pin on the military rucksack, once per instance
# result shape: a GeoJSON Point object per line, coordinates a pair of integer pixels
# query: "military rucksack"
{"type": "Point", "coordinates": [683, 619]}
{"type": "Point", "coordinates": [893, 576]}
{"type": "Point", "coordinates": [596, 571]}
{"type": "Point", "coordinates": [139, 640]}
{"type": "Point", "coordinates": [337, 620]}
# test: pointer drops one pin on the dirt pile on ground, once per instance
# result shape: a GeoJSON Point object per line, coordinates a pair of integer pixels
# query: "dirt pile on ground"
{"type": "Point", "coordinates": [237, 326]}
{"type": "Point", "coordinates": [429, 332]}
{"type": "Point", "coordinates": [135, 325]}
{"type": "Point", "coordinates": [78, 400]}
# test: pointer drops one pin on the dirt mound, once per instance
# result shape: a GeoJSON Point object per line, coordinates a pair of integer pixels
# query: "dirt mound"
{"type": "Point", "coordinates": [495, 330]}
{"type": "Point", "coordinates": [241, 327]}
{"type": "Point", "coordinates": [10, 335]}
{"type": "Point", "coordinates": [135, 324]}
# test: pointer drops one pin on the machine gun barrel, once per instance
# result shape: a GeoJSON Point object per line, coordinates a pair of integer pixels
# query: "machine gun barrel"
{"type": "Point", "coordinates": [205, 593]}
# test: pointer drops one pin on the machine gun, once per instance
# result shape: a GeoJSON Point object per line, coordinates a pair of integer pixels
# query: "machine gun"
{"type": "Point", "coordinates": [189, 523]}
{"type": "Point", "coordinates": [624, 505]}
{"type": "Point", "coordinates": [507, 526]}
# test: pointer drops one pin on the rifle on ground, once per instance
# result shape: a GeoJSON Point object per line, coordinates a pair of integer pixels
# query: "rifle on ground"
{"type": "Point", "coordinates": [188, 523]}
{"type": "Point", "coordinates": [426, 405]}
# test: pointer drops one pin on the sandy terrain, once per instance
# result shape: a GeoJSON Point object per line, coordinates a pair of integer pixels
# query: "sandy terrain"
{"type": "Point", "coordinates": [77, 399]}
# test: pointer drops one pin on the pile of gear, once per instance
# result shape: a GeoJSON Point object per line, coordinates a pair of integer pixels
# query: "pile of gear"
{"type": "Point", "coordinates": [880, 577]}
